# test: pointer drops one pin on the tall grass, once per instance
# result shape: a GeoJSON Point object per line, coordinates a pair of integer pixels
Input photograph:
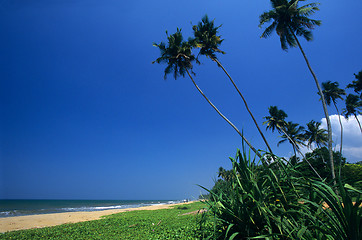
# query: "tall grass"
{"type": "Point", "coordinates": [273, 201]}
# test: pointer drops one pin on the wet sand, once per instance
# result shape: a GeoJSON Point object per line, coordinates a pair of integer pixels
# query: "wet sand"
{"type": "Point", "coordinates": [53, 219]}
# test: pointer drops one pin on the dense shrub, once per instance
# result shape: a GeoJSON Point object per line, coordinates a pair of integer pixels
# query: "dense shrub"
{"type": "Point", "coordinates": [352, 174]}
{"type": "Point", "coordinates": [319, 159]}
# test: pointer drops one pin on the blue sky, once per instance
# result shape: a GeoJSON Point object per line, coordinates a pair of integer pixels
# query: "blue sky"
{"type": "Point", "coordinates": [85, 115]}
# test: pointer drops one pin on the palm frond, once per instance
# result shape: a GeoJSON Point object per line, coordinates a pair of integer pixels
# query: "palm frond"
{"type": "Point", "coordinates": [289, 19]}
{"type": "Point", "coordinates": [269, 30]}
{"type": "Point", "coordinates": [299, 31]}
{"type": "Point", "coordinates": [176, 54]}
{"type": "Point", "coordinates": [308, 9]}
{"type": "Point", "coordinates": [265, 18]}
{"type": "Point", "coordinates": [282, 141]}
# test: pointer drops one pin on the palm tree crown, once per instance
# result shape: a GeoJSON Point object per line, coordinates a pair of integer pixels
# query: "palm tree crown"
{"type": "Point", "coordinates": [289, 19]}
{"type": "Point", "coordinates": [276, 119]}
{"type": "Point", "coordinates": [206, 38]}
{"type": "Point", "coordinates": [294, 134]}
{"type": "Point", "coordinates": [353, 107]}
{"type": "Point", "coordinates": [332, 92]}
{"type": "Point", "coordinates": [177, 55]}
{"type": "Point", "coordinates": [357, 84]}
{"type": "Point", "coordinates": [315, 134]}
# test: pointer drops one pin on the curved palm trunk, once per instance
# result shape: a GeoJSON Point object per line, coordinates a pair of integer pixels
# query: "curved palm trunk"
{"type": "Point", "coordinates": [324, 108]}
{"type": "Point", "coordinates": [359, 124]}
{"type": "Point", "coordinates": [340, 123]}
{"type": "Point", "coordinates": [245, 103]}
{"type": "Point", "coordinates": [295, 153]}
{"type": "Point", "coordinates": [227, 120]}
{"type": "Point", "coordinates": [295, 147]}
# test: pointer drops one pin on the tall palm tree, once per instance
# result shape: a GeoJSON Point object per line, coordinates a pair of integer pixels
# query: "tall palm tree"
{"type": "Point", "coordinates": [315, 134]}
{"type": "Point", "coordinates": [332, 92]}
{"type": "Point", "coordinates": [206, 38]}
{"type": "Point", "coordinates": [291, 21]}
{"type": "Point", "coordinates": [353, 106]}
{"type": "Point", "coordinates": [357, 84]}
{"type": "Point", "coordinates": [294, 134]}
{"type": "Point", "coordinates": [177, 54]}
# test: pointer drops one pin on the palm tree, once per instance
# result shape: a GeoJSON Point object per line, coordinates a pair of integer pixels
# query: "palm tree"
{"type": "Point", "coordinates": [276, 119]}
{"type": "Point", "coordinates": [357, 84]}
{"type": "Point", "coordinates": [206, 38]}
{"type": "Point", "coordinates": [295, 135]}
{"type": "Point", "coordinates": [291, 21]}
{"type": "Point", "coordinates": [315, 134]}
{"type": "Point", "coordinates": [353, 105]}
{"type": "Point", "coordinates": [331, 93]}
{"type": "Point", "coordinates": [178, 57]}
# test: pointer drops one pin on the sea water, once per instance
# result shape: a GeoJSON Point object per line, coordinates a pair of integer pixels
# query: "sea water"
{"type": "Point", "coordinates": [11, 208]}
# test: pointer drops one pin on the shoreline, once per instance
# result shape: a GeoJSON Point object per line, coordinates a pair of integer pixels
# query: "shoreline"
{"type": "Point", "coordinates": [53, 219]}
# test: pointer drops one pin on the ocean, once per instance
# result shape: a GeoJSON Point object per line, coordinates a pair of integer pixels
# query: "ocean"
{"type": "Point", "coordinates": [11, 208]}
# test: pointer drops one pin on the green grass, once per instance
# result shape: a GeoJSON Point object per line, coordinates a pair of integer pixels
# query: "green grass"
{"type": "Point", "coordinates": [156, 224]}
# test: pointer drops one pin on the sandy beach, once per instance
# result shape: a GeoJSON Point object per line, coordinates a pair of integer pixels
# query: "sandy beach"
{"type": "Point", "coordinates": [53, 219]}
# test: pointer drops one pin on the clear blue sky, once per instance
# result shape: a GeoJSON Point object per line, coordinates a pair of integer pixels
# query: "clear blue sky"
{"type": "Point", "coordinates": [85, 115]}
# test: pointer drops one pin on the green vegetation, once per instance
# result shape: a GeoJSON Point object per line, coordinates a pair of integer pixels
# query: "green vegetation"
{"type": "Point", "coordinates": [319, 159]}
{"type": "Point", "coordinates": [352, 174]}
{"type": "Point", "coordinates": [273, 201]}
{"type": "Point", "coordinates": [156, 224]}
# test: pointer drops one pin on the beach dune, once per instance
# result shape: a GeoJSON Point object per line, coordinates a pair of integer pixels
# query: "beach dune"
{"type": "Point", "coordinates": [53, 219]}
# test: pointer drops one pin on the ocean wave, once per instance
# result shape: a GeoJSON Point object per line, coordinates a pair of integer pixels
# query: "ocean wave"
{"type": "Point", "coordinates": [101, 208]}
{"type": "Point", "coordinates": [7, 213]}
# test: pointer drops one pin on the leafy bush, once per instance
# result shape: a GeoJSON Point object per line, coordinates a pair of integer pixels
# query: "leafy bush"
{"type": "Point", "coordinates": [352, 174]}
{"type": "Point", "coordinates": [319, 159]}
